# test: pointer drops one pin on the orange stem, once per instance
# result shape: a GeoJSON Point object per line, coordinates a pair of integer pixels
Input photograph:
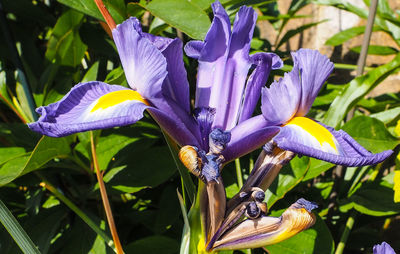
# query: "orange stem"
{"type": "Point", "coordinates": [106, 203]}
{"type": "Point", "coordinates": [107, 17]}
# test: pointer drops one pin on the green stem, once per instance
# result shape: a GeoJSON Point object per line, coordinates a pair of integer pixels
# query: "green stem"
{"type": "Point", "coordinates": [76, 210]}
{"type": "Point", "coordinates": [346, 232]}
{"type": "Point", "coordinates": [239, 173]}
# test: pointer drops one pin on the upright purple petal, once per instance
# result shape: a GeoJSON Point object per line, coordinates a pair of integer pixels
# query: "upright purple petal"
{"type": "Point", "coordinates": [307, 137]}
{"type": "Point", "coordinates": [226, 94]}
{"type": "Point", "coordinates": [212, 56]}
{"type": "Point", "coordinates": [144, 65]}
{"type": "Point", "coordinates": [264, 63]}
{"type": "Point", "coordinates": [314, 70]}
{"type": "Point", "coordinates": [280, 102]}
{"type": "Point", "coordinates": [248, 136]}
{"type": "Point", "coordinates": [90, 106]}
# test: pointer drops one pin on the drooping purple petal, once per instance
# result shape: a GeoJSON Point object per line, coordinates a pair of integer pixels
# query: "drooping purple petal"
{"type": "Point", "coordinates": [211, 54]}
{"type": "Point", "coordinates": [314, 70]}
{"type": "Point", "coordinates": [281, 101]}
{"type": "Point", "coordinates": [144, 65]}
{"type": "Point", "coordinates": [307, 137]}
{"type": "Point", "coordinates": [226, 94]}
{"type": "Point", "coordinates": [248, 136]}
{"type": "Point", "coordinates": [383, 248]}
{"type": "Point", "coordinates": [264, 63]}
{"type": "Point", "coordinates": [90, 106]}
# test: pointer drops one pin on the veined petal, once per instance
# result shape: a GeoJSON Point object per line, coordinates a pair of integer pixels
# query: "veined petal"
{"type": "Point", "coordinates": [144, 65]}
{"type": "Point", "coordinates": [211, 55]}
{"type": "Point", "coordinates": [268, 230]}
{"type": "Point", "coordinates": [280, 102]}
{"type": "Point", "coordinates": [175, 85]}
{"type": "Point", "coordinates": [226, 94]}
{"type": "Point", "coordinates": [308, 137]}
{"type": "Point", "coordinates": [264, 63]}
{"type": "Point", "coordinates": [90, 106]}
{"type": "Point", "coordinates": [314, 69]}
{"type": "Point", "coordinates": [248, 136]}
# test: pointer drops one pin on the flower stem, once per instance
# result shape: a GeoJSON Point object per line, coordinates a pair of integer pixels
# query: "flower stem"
{"type": "Point", "coordinates": [239, 173]}
{"type": "Point", "coordinates": [346, 232]}
{"type": "Point", "coordinates": [106, 203]}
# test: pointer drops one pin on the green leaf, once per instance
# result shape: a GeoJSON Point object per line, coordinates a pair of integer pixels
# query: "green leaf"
{"type": "Point", "coordinates": [372, 199]}
{"type": "Point", "coordinates": [317, 239]}
{"type": "Point", "coordinates": [356, 90]}
{"type": "Point", "coordinates": [47, 149]}
{"type": "Point", "coordinates": [9, 153]}
{"type": "Point", "coordinates": [65, 45]}
{"type": "Point", "coordinates": [114, 142]}
{"type": "Point", "coordinates": [387, 116]}
{"type": "Point", "coordinates": [149, 167]}
{"type": "Point", "coordinates": [289, 176]}
{"type": "Point", "coordinates": [16, 231]}
{"type": "Point", "coordinates": [377, 50]}
{"type": "Point", "coordinates": [370, 133]}
{"type": "Point", "coordinates": [91, 74]}
{"type": "Point", "coordinates": [12, 169]}
{"type": "Point", "coordinates": [153, 245]}
{"type": "Point", "coordinates": [316, 168]}
{"type": "Point", "coordinates": [185, 16]}
{"type": "Point", "coordinates": [347, 34]}
{"type": "Point", "coordinates": [116, 8]}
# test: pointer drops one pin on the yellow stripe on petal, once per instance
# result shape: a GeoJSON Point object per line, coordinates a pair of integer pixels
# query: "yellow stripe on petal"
{"type": "Point", "coordinates": [117, 97]}
{"type": "Point", "coordinates": [314, 129]}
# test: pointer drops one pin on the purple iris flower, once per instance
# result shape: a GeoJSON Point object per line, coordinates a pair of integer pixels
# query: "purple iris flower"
{"type": "Point", "coordinates": [156, 75]}
{"type": "Point", "coordinates": [286, 102]}
{"type": "Point", "coordinates": [383, 248]}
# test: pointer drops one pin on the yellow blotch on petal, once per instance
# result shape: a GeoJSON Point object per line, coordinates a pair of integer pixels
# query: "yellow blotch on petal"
{"type": "Point", "coordinates": [117, 97]}
{"type": "Point", "coordinates": [314, 129]}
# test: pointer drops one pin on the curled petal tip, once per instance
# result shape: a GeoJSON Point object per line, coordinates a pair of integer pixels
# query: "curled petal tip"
{"type": "Point", "coordinates": [302, 203]}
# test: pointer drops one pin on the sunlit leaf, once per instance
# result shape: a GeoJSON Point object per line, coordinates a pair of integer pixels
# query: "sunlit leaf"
{"type": "Point", "coordinates": [186, 16]}
{"type": "Point", "coordinates": [357, 89]}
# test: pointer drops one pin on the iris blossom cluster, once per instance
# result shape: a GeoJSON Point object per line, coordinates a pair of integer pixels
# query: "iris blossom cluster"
{"type": "Point", "coordinates": [221, 125]}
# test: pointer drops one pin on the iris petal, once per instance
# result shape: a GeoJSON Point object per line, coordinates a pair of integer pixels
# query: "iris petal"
{"type": "Point", "coordinates": [307, 137]}
{"type": "Point", "coordinates": [314, 69]}
{"type": "Point", "coordinates": [280, 101]}
{"type": "Point", "coordinates": [264, 63]}
{"type": "Point", "coordinates": [227, 93]}
{"type": "Point", "coordinates": [248, 136]}
{"type": "Point", "coordinates": [144, 65]}
{"type": "Point", "coordinates": [90, 106]}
